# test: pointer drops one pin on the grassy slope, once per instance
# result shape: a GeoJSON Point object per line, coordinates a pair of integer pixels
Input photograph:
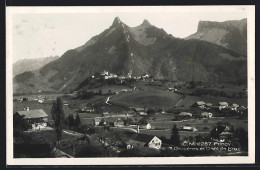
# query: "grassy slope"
{"type": "Point", "coordinates": [147, 98]}
{"type": "Point", "coordinates": [190, 100]}
{"type": "Point", "coordinates": [199, 124]}
{"type": "Point", "coordinates": [46, 106]}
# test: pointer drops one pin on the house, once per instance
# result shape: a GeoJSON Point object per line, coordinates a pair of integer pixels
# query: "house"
{"type": "Point", "coordinates": [37, 118]}
{"type": "Point", "coordinates": [146, 126]}
{"type": "Point", "coordinates": [98, 120]}
{"type": "Point", "coordinates": [185, 114]}
{"type": "Point", "coordinates": [171, 89]}
{"type": "Point", "coordinates": [206, 115]}
{"type": "Point", "coordinates": [104, 73]}
{"type": "Point", "coordinates": [139, 109]}
{"type": "Point", "coordinates": [227, 128]}
{"type": "Point", "coordinates": [145, 76]}
{"type": "Point", "coordinates": [144, 140]}
{"type": "Point", "coordinates": [208, 105]}
{"type": "Point", "coordinates": [222, 105]}
{"type": "Point", "coordinates": [189, 128]}
{"type": "Point", "coordinates": [199, 104]}
{"type": "Point", "coordinates": [229, 108]}
{"type": "Point", "coordinates": [112, 75]}
{"type": "Point", "coordinates": [242, 110]}
{"type": "Point", "coordinates": [88, 109]}
{"type": "Point", "coordinates": [225, 136]}
{"type": "Point", "coordinates": [119, 123]}
{"type": "Point", "coordinates": [105, 113]}
{"type": "Point", "coordinates": [142, 113]}
{"type": "Point", "coordinates": [235, 106]}
{"type": "Point", "coordinates": [40, 100]}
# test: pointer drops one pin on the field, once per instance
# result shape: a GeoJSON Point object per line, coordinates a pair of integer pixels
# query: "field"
{"type": "Point", "coordinates": [109, 88]}
{"type": "Point", "coordinates": [147, 98]}
{"type": "Point", "coordinates": [189, 100]}
{"type": "Point", "coordinates": [74, 105]}
{"type": "Point", "coordinates": [162, 127]}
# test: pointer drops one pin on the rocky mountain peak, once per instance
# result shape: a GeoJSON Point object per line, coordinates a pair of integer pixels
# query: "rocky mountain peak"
{"type": "Point", "coordinates": [146, 23]}
{"type": "Point", "coordinates": [208, 25]}
{"type": "Point", "coordinates": [116, 21]}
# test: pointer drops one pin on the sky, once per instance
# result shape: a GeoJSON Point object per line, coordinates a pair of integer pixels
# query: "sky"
{"type": "Point", "coordinates": [43, 32]}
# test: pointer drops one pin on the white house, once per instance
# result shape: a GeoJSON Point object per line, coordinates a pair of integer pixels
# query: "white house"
{"type": "Point", "coordinates": [200, 104]}
{"type": "Point", "coordinates": [235, 106]}
{"type": "Point", "coordinates": [222, 105]}
{"type": "Point", "coordinates": [185, 114]}
{"type": "Point", "coordinates": [207, 114]}
{"type": "Point", "coordinates": [142, 113]}
{"type": "Point", "coordinates": [144, 140]}
{"type": "Point", "coordinates": [105, 113]}
{"type": "Point", "coordinates": [189, 128]}
{"type": "Point", "coordinates": [147, 126]}
{"type": "Point", "coordinates": [155, 143]}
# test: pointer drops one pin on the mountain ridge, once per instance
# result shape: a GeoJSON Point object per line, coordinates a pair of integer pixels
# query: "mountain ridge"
{"type": "Point", "coordinates": [24, 65]}
{"type": "Point", "coordinates": [121, 49]}
{"type": "Point", "coordinates": [229, 34]}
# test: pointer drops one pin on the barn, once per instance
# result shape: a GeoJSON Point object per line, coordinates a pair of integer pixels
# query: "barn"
{"type": "Point", "coordinates": [37, 118]}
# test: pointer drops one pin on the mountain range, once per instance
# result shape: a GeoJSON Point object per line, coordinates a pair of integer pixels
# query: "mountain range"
{"type": "Point", "coordinates": [229, 34]}
{"type": "Point", "coordinates": [24, 65]}
{"type": "Point", "coordinates": [121, 49]}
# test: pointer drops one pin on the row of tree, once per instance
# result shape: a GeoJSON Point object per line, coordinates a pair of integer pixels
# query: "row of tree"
{"type": "Point", "coordinates": [73, 123]}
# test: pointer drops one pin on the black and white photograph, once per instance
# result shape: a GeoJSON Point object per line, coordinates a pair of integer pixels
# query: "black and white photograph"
{"type": "Point", "coordinates": [129, 85]}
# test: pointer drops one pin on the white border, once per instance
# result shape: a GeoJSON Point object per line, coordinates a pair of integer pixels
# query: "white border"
{"type": "Point", "coordinates": [132, 161]}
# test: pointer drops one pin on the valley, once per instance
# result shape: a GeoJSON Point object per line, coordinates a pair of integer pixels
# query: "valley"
{"type": "Point", "coordinates": [137, 92]}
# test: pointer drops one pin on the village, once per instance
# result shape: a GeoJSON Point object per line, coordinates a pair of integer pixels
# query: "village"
{"type": "Point", "coordinates": [121, 123]}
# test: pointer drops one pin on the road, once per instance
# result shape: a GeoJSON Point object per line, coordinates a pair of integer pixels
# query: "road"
{"type": "Point", "coordinates": [108, 98]}
{"type": "Point", "coordinates": [73, 133]}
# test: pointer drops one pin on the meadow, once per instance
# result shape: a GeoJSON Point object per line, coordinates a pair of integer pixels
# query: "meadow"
{"type": "Point", "coordinates": [147, 98]}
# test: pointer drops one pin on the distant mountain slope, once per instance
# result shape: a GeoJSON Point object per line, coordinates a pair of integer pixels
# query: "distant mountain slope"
{"type": "Point", "coordinates": [31, 64]}
{"type": "Point", "coordinates": [229, 34]}
{"type": "Point", "coordinates": [121, 49]}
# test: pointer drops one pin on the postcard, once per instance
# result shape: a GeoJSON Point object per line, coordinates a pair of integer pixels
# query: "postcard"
{"type": "Point", "coordinates": [130, 85]}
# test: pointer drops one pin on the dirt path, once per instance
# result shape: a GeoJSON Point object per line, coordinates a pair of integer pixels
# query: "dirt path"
{"type": "Point", "coordinates": [177, 104]}
{"type": "Point", "coordinates": [68, 82]}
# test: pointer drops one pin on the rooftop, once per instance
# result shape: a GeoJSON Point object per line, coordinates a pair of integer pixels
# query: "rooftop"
{"type": "Point", "coordinates": [29, 114]}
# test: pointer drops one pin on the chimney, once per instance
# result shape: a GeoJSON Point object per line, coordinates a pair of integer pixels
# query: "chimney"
{"type": "Point", "coordinates": [137, 128]}
{"type": "Point", "coordinates": [27, 108]}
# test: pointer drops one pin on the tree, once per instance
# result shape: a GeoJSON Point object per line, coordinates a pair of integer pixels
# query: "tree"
{"type": "Point", "coordinates": [175, 138]}
{"type": "Point", "coordinates": [57, 113]}
{"type": "Point", "coordinates": [242, 135]}
{"type": "Point", "coordinates": [144, 120]}
{"type": "Point", "coordinates": [77, 121]}
{"type": "Point", "coordinates": [128, 121]}
{"type": "Point", "coordinates": [19, 124]}
{"type": "Point", "coordinates": [91, 151]}
{"type": "Point", "coordinates": [150, 111]}
{"type": "Point", "coordinates": [71, 121]}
